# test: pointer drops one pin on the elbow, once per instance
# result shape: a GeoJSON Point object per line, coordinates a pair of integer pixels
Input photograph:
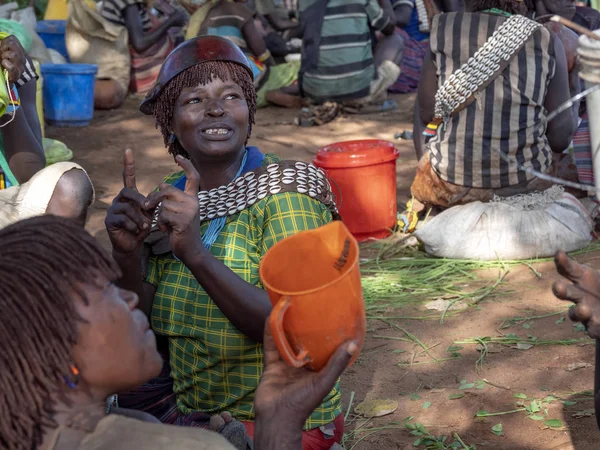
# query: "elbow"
{"type": "Point", "coordinates": [559, 142]}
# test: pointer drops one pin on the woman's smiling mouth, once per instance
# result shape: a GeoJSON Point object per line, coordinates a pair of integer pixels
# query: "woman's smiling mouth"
{"type": "Point", "coordinates": [217, 132]}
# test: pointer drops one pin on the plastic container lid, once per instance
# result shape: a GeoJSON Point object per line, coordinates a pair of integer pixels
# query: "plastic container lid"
{"type": "Point", "coordinates": [69, 69]}
{"type": "Point", "coordinates": [355, 154]}
{"type": "Point", "coordinates": [51, 26]}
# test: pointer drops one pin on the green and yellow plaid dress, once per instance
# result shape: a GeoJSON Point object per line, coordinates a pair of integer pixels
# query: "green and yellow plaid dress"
{"type": "Point", "coordinates": [214, 366]}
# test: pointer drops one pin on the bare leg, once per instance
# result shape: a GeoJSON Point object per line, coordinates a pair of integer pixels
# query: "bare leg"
{"type": "Point", "coordinates": [288, 97]}
{"type": "Point", "coordinates": [389, 48]}
{"type": "Point", "coordinates": [108, 94]}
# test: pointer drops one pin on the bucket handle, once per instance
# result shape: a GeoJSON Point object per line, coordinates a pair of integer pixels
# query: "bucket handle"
{"type": "Point", "coordinates": [283, 345]}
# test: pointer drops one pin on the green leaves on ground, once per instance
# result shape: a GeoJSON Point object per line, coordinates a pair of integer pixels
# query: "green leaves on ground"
{"type": "Point", "coordinates": [497, 429]}
{"type": "Point", "coordinates": [553, 423]}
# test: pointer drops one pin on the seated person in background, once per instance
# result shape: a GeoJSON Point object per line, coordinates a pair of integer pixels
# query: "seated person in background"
{"type": "Point", "coordinates": [412, 22]}
{"type": "Point", "coordinates": [83, 339]}
{"type": "Point", "coordinates": [280, 18]}
{"type": "Point", "coordinates": [27, 188]}
{"type": "Point", "coordinates": [544, 9]}
{"type": "Point", "coordinates": [122, 40]}
{"type": "Point", "coordinates": [235, 21]}
{"type": "Point", "coordinates": [338, 60]}
{"type": "Point", "coordinates": [462, 161]}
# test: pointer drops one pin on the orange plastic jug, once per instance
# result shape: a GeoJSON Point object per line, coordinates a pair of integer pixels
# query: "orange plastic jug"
{"type": "Point", "coordinates": [313, 282]}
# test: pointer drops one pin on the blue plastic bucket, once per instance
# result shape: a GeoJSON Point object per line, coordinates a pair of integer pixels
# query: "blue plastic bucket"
{"type": "Point", "coordinates": [69, 93]}
{"type": "Point", "coordinates": [52, 33]}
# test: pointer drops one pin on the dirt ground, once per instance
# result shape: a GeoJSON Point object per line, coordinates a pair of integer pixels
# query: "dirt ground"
{"type": "Point", "coordinates": [421, 385]}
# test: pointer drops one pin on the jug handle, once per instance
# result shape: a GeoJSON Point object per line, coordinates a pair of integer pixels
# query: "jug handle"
{"type": "Point", "coordinates": [283, 345]}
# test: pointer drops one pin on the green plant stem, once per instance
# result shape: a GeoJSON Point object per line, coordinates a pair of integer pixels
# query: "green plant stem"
{"type": "Point", "coordinates": [503, 413]}
{"type": "Point", "coordinates": [457, 437]}
{"type": "Point", "coordinates": [349, 406]}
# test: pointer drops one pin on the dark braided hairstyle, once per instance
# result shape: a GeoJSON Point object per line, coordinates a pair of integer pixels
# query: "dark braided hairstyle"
{"type": "Point", "coordinates": [43, 258]}
{"type": "Point", "coordinates": [197, 75]}
{"type": "Point", "coordinates": [510, 6]}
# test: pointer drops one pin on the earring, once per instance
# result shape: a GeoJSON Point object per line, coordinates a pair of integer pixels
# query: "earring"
{"type": "Point", "coordinates": [172, 138]}
{"type": "Point", "coordinates": [73, 380]}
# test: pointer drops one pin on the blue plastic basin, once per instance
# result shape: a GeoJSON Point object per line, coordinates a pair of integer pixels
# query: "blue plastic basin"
{"type": "Point", "coordinates": [69, 93]}
{"type": "Point", "coordinates": [52, 33]}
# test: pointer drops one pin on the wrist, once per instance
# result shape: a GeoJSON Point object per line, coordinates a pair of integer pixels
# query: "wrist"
{"type": "Point", "coordinates": [193, 255]}
{"type": "Point", "coordinates": [277, 434]}
{"type": "Point", "coordinates": [126, 258]}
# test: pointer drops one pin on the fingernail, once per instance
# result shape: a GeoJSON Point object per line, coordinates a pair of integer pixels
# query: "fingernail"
{"type": "Point", "coordinates": [146, 204]}
{"type": "Point", "coordinates": [145, 226]}
{"type": "Point", "coordinates": [352, 348]}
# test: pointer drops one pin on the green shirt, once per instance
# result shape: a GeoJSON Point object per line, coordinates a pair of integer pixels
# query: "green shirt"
{"type": "Point", "coordinates": [214, 366]}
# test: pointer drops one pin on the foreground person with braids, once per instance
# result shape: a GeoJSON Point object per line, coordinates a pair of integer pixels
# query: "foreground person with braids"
{"type": "Point", "coordinates": [72, 338]}
{"type": "Point", "coordinates": [200, 284]}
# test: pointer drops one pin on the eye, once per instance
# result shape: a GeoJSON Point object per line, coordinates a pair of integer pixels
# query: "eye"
{"type": "Point", "coordinates": [193, 101]}
{"type": "Point", "coordinates": [232, 97]}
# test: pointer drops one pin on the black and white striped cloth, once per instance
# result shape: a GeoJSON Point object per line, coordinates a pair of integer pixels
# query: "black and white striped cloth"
{"type": "Point", "coordinates": [112, 10]}
{"type": "Point", "coordinates": [508, 115]}
{"type": "Point", "coordinates": [28, 75]}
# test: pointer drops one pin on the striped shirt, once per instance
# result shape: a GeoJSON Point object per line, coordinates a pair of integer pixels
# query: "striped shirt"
{"type": "Point", "coordinates": [112, 10]}
{"type": "Point", "coordinates": [345, 67]}
{"type": "Point", "coordinates": [227, 20]}
{"type": "Point", "coordinates": [508, 115]}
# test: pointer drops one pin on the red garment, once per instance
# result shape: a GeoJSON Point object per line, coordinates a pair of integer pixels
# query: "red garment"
{"type": "Point", "coordinates": [313, 439]}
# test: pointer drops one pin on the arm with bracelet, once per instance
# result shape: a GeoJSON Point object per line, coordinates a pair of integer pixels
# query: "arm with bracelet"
{"type": "Point", "coordinates": [22, 152]}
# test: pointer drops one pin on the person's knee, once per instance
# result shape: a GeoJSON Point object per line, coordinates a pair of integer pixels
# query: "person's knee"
{"type": "Point", "coordinates": [108, 94]}
{"type": "Point", "coordinates": [72, 196]}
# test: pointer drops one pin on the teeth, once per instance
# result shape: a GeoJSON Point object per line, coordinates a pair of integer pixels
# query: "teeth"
{"type": "Point", "coordinates": [217, 131]}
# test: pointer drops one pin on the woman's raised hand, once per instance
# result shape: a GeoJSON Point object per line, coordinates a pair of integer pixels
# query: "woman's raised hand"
{"type": "Point", "coordinates": [584, 291]}
{"type": "Point", "coordinates": [127, 220]}
{"type": "Point", "coordinates": [179, 212]}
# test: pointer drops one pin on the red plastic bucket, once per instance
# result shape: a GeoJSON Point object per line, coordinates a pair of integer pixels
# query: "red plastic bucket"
{"type": "Point", "coordinates": [363, 177]}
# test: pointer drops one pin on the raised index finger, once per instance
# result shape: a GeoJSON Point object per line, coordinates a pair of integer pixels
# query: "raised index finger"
{"type": "Point", "coordinates": [129, 170]}
{"type": "Point", "coordinates": [192, 182]}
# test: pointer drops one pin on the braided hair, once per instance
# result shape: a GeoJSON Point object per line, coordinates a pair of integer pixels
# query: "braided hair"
{"type": "Point", "coordinates": [202, 73]}
{"type": "Point", "coordinates": [43, 259]}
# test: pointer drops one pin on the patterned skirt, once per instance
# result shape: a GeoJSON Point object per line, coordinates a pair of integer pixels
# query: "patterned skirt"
{"type": "Point", "coordinates": [412, 61]}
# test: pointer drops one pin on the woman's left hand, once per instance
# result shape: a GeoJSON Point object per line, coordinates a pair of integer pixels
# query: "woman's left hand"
{"type": "Point", "coordinates": [12, 57]}
{"type": "Point", "coordinates": [179, 215]}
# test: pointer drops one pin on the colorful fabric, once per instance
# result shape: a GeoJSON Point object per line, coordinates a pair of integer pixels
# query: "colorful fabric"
{"type": "Point", "coordinates": [412, 62]}
{"type": "Point", "coordinates": [582, 152]}
{"type": "Point", "coordinates": [509, 114]}
{"type": "Point", "coordinates": [321, 438]}
{"type": "Point", "coordinates": [343, 46]}
{"type": "Point", "coordinates": [280, 76]}
{"type": "Point", "coordinates": [146, 67]}
{"type": "Point", "coordinates": [214, 366]}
